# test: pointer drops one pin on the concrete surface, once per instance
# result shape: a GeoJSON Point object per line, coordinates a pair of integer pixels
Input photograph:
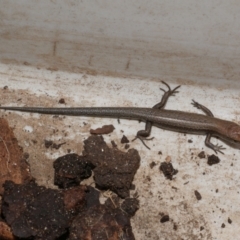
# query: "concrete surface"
{"type": "Point", "coordinates": [217, 184]}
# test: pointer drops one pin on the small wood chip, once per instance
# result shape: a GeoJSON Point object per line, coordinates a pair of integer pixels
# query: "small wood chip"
{"type": "Point", "coordinates": [105, 129]}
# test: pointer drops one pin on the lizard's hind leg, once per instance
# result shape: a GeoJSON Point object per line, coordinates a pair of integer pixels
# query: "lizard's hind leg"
{"type": "Point", "coordinates": [216, 148]}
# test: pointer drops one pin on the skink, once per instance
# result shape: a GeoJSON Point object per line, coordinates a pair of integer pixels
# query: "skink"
{"type": "Point", "coordinates": [168, 119]}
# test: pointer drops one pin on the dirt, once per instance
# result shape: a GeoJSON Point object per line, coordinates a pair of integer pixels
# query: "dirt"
{"type": "Point", "coordinates": [152, 164]}
{"type": "Point", "coordinates": [13, 162]}
{"type": "Point", "coordinates": [35, 211]}
{"type": "Point", "coordinates": [74, 211]}
{"type": "Point", "coordinates": [202, 155]}
{"type": "Point", "coordinates": [62, 101]}
{"type": "Point", "coordinates": [164, 218]}
{"type": "Point", "coordinates": [198, 195]}
{"type": "Point", "coordinates": [102, 221]}
{"type": "Point", "coordinates": [168, 170]}
{"type": "Point", "coordinates": [127, 146]}
{"type": "Point", "coordinates": [6, 232]}
{"type": "Point", "coordinates": [124, 139]}
{"type": "Point", "coordinates": [213, 159]}
{"type": "Point", "coordinates": [113, 169]}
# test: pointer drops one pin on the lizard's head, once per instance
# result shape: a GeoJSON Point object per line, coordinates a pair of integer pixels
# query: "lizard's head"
{"type": "Point", "coordinates": [234, 132]}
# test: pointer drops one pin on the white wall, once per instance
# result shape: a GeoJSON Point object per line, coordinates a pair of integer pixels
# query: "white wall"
{"type": "Point", "coordinates": [167, 39]}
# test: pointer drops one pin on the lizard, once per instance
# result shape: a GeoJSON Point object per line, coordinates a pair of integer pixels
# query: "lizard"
{"type": "Point", "coordinates": [186, 122]}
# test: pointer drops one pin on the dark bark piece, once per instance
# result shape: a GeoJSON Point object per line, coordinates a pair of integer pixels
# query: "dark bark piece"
{"type": "Point", "coordinates": [36, 212]}
{"type": "Point", "coordinates": [114, 169]}
{"type": "Point", "coordinates": [101, 222]}
{"type": "Point", "coordinates": [71, 169]}
{"type": "Point", "coordinates": [130, 206]}
{"type": "Point", "coordinates": [105, 129]}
